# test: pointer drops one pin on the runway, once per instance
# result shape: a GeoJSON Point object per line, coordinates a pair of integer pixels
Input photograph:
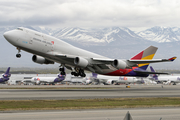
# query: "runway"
{"type": "Point", "coordinates": [106, 114]}
{"type": "Point", "coordinates": [116, 92]}
{"type": "Point", "coordinates": [94, 91]}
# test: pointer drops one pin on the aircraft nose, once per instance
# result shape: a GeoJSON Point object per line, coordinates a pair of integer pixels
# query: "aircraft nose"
{"type": "Point", "coordinates": [7, 35]}
{"type": "Point", "coordinates": [11, 36]}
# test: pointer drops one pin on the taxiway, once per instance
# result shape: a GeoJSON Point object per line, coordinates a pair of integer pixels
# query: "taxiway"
{"type": "Point", "coordinates": [116, 92]}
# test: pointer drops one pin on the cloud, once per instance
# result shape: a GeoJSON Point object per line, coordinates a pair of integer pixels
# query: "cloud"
{"type": "Point", "coordinates": [94, 13]}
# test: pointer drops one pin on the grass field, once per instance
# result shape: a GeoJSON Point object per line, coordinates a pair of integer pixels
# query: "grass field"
{"type": "Point", "coordinates": [87, 103]}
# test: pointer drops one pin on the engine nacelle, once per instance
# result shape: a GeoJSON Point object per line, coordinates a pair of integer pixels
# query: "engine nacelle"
{"type": "Point", "coordinates": [6, 75]}
{"type": "Point", "coordinates": [119, 64]}
{"type": "Point", "coordinates": [82, 62]}
{"type": "Point", "coordinates": [41, 60]}
{"type": "Point", "coordinates": [37, 82]}
{"type": "Point", "coordinates": [88, 82]}
{"type": "Point", "coordinates": [109, 82]}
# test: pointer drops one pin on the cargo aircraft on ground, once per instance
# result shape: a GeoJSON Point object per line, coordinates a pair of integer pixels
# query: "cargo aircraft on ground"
{"type": "Point", "coordinates": [109, 80]}
{"type": "Point", "coordinates": [167, 79]}
{"type": "Point", "coordinates": [50, 80]}
{"type": "Point", "coordinates": [5, 76]}
{"type": "Point", "coordinates": [48, 49]}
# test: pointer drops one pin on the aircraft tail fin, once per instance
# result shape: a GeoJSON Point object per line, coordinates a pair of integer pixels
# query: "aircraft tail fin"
{"type": "Point", "coordinates": [7, 71]}
{"type": "Point", "coordinates": [94, 75]}
{"type": "Point", "coordinates": [146, 54]}
{"type": "Point", "coordinates": [7, 74]}
{"type": "Point", "coordinates": [61, 76]}
{"type": "Point", "coordinates": [154, 76]}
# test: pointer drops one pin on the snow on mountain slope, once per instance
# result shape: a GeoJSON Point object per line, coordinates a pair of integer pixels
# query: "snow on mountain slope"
{"type": "Point", "coordinates": [160, 34]}
{"type": "Point", "coordinates": [98, 36]}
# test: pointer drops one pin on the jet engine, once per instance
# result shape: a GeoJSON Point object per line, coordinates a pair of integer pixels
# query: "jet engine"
{"type": "Point", "coordinates": [6, 75]}
{"type": "Point", "coordinates": [41, 60]}
{"type": "Point", "coordinates": [88, 82]}
{"type": "Point", "coordinates": [37, 82]}
{"type": "Point", "coordinates": [119, 64]}
{"type": "Point", "coordinates": [109, 82]}
{"type": "Point", "coordinates": [82, 62]}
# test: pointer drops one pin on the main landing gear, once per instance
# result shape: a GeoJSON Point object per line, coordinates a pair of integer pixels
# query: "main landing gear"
{"type": "Point", "coordinates": [79, 72]}
{"type": "Point", "coordinates": [18, 55]}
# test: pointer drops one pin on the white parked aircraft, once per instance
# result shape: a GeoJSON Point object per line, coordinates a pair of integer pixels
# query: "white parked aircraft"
{"type": "Point", "coordinates": [74, 80]}
{"type": "Point", "coordinates": [47, 50]}
{"type": "Point", "coordinates": [50, 80]}
{"type": "Point", "coordinates": [109, 80]}
{"type": "Point", "coordinates": [167, 79]}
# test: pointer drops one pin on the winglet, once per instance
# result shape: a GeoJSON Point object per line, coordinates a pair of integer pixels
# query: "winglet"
{"type": "Point", "coordinates": [172, 59]}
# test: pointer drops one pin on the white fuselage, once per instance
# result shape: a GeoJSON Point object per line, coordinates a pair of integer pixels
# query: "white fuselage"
{"type": "Point", "coordinates": [43, 79]}
{"type": "Point", "coordinates": [174, 79]}
{"type": "Point", "coordinates": [77, 80]}
{"type": "Point", "coordinates": [47, 46]}
{"type": "Point", "coordinates": [114, 79]}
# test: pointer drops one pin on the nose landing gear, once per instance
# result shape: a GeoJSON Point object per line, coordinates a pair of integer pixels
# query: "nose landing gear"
{"type": "Point", "coordinates": [18, 55]}
{"type": "Point", "coordinates": [62, 70]}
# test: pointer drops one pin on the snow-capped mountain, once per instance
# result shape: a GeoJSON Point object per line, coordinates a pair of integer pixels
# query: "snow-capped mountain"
{"type": "Point", "coordinates": [83, 36]}
{"type": "Point", "coordinates": [99, 36]}
{"type": "Point", "coordinates": [161, 34]}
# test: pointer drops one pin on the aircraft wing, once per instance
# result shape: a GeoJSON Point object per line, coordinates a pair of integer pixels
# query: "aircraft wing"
{"type": "Point", "coordinates": [101, 63]}
{"type": "Point", "coordinates": [96, 60]}
{"type": "Point", "coordinates": [65, 56]}
{"type": "Point", "coordinates": [136, 61]}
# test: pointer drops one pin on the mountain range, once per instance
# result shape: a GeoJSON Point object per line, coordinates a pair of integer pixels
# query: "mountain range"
{"type": "Point", "coordinates": [113, 42]}
{"type": "Point", "coordinates": [108, 35]}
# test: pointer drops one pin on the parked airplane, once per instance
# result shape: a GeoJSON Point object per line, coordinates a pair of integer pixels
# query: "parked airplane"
{"type": "Point", "coordinates": [165, 78]}
{"type": "Point", "coordinates": [49, 80]}
{"type": "Point", "coordinates": [5, 76]}
{"type": "Point", "coordinates": [74, 80]}
{"type": "Point", "coordinates": [47, 50]}
{"type": "Point", "coordinates": [108, 80]}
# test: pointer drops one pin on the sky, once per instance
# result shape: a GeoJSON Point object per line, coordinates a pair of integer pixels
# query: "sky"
{"type": "Point", "coordinates": [134, 14]}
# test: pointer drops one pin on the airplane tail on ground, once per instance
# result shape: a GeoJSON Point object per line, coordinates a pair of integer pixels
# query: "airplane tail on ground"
{"type": "Point", "coordinates": [94, 75]}
{"type": "Point", "coordinates": [154, 76]}
{"type": "Point", "coordinates": [146, 54]}
{"type": "Point", "coordinates": [7, 74]}
{"type": "Point", "coordinates": [61, 77]}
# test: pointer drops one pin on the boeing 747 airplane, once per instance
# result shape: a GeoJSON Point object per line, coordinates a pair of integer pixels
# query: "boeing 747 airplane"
{"type": "Point", "coordinates": [5, 76]}
{"type": "Point", "coordinates": [47, 50]}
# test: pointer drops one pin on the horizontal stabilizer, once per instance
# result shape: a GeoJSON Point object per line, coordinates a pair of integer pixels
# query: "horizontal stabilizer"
{"type": "Point", "coordinates": [153, 60]}
{"type": "Point", "coordinates": [147, 72]}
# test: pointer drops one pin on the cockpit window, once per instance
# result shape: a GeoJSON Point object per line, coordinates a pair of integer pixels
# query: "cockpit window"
{"type": "Point", "coordinates": [20, 29]}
